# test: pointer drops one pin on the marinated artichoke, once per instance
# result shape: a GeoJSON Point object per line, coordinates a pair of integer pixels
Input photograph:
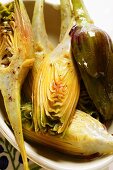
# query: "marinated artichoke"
{"type": "Point", "coordinates": [51, 117]}
{"type": "Point", "coordinates": [83, 133]}
{"type": "Point", "coordinates": [93, 51]}
{"type": "Point", "coordinates": [54, 78]}
{"type": "Point", "coordinates": [56, 91]}
{"type": "Point", "coordinates": [16, 57]}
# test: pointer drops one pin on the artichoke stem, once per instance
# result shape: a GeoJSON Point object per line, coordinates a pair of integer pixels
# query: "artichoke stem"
{"type": "Point", "coordinates": [11, 96]}
{"type": "Point", "coordinates": [80, 12]}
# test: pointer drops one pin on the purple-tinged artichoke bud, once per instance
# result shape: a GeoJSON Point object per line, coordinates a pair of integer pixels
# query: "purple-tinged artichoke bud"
{"type": "Point", "coordinates": [93, 52]}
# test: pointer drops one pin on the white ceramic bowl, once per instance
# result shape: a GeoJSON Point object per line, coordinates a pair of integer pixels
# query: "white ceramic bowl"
{"type": "Point", "coordinates": [101, 12]}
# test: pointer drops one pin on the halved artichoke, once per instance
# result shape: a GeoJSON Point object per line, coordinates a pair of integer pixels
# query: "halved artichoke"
{"type": "Point", "coordinates": [54, 78]}
{"type": "Point", "coordinates": [16, 57]}
{"type": "Point", "coordinates": [84, 136]}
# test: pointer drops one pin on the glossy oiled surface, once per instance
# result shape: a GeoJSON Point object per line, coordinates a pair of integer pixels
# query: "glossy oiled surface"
{"type": "Point", "coordinates": [46, 157]}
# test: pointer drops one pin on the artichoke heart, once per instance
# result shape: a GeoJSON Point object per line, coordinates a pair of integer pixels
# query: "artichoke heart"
{"type": "Point", "coordinates": [16, 57]}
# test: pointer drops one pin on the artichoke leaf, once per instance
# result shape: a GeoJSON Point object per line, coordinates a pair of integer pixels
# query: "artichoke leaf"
{"type": "Point", "coordinates": [42, 44]}
{"type": "Point", "coordinates": [66, 15]}
{"type": "Point", "coordinates": [41, 40]}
